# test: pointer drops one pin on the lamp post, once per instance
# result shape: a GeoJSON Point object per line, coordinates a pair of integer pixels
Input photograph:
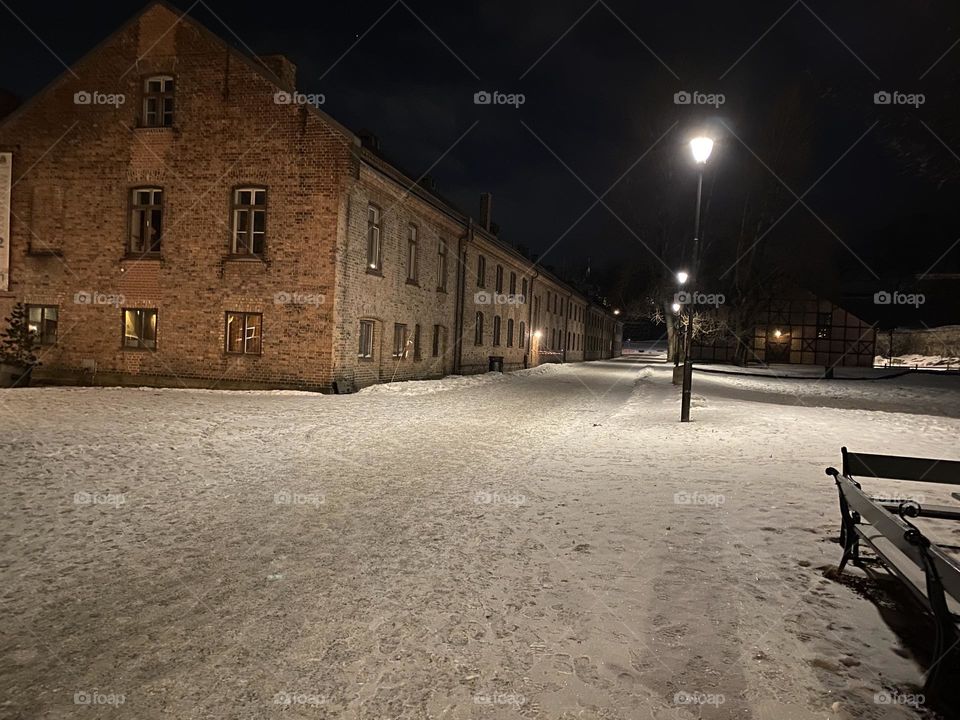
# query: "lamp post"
{"type": "Point", "coordinates": [701, 147]}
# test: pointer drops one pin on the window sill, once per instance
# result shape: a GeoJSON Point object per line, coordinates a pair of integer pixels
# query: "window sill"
{"type": "Point", "coordinates": [137, 349]}
{"type": "Point", "coordinates": [227, 353]}
{"type": "Point", "coordinates": [375, 271]}
{"type": "Point", "coordinates": [413, 283]}
{"type": "Point", "coordinates": [49, 252]}
{"type": "Point", "coordinates": [442, 290]}
{"type": "Point", "coordinates": [361, 358]}
{"type": "Point", "coordinates": [244, 258]}
{"type": "Point", "coordinates": [148, 257]}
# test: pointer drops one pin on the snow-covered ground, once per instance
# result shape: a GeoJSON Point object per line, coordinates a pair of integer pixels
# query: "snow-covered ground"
{"type": "Point", "coordinates": [931, 362]}
{"type": "Point", "coordinates": [546, 544]}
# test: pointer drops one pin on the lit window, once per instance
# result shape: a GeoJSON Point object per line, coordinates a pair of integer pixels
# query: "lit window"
{"type": "Point", "coordinates": [374, 242]}
{"type": "Point", "coordinates": [442, 266]}
{"type": "Point", "coordinates": [140, 329]}
{"type": "Point", "coordinates": [366, 339]}
{"type": "Point", "coordinates": [42, 322]}
{"type": "Point", "coordinates": [244, 333]}
{"type": "Point", "coordinates": [412, 259]}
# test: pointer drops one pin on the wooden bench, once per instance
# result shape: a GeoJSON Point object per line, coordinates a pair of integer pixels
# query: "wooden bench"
{"type": "Point", "coordinates": [908, 554]}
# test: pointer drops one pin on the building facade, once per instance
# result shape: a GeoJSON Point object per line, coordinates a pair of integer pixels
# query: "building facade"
{"type": "Point", "coordinates": [180, 215]}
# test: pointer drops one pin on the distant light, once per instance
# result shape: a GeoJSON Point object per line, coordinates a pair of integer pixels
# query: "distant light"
{"type": "Point", "coordinates": [616, 312]}
{"type": "Point", "coordinates": [538, 334]}
{"type": "Point", "coordinates": [373, 266]}
{"type": "Point", "coordinates": [682, 277]}
{"type": "Point", "coordinates": [777, 333]}
{"type": "Point", "coordinates": [701, 148]}
{"type": "Point", "coordinates": [676, 307]}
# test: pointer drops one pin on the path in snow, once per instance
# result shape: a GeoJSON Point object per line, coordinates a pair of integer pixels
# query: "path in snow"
{"type": "Point", "coordinates": [496, 547]}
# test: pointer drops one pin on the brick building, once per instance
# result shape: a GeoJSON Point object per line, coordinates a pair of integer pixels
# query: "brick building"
{"type": "Point", "coordinates": [180, 215]}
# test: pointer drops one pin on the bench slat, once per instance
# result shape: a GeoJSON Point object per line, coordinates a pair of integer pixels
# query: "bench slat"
{"type": "Point", "coordinates": [898, 467]}
{"type": "Point", "coordinates": [893, 528]}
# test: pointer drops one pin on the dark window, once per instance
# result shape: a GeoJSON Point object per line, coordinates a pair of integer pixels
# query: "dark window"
{"type": "Point", "coordinates": [824, 323]}
{"type": "Point", "coordinates": [478, 330]}
{"type": "Point", "coordinates": [442, 266]}
{"type": "Point", "coordinates": [520, 336]}
{"type": "Point", "coordinates": [399, 341]}
{"type": "Point", "coordinates": [496, 329]}
{"type": "Point", "coordinates": [412, 259]}
{"type": "Point", "coordinates": [146, 220]}
{"type": "Point", "coordinates": [158, 101]}
{"type": "Point", "coordinates": [244, 333]}
{"type": "Point", "coordinates": [374, 241]}
{"type": "Point", "coordinates": [499, 278]}
{"type": "Point", "coordinates": [42, 322]}
{"type": "Point", "coordinates": [481, 271]}
{"type": "Point", "coordinates": [249, 221]}
{"type": "Point", "coordinates": [365, 349]}
{"type": "Point", "coordinates": [439, 339]}
{"type": "Point", "coordinates": [140, 329]}
{"type": "Point", "coordinates": [513, 283]}
{"type": "Point", "coordinates": [510, 332]}
{"type": "Point", "coordinates": [416, 341]}
{"type": "Point", "coordinates": [523, 289]}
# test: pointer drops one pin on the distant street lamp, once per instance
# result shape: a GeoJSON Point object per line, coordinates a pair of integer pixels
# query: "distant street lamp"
{"type": "Point", "coordinates": [616, 312]}
{"type": "Point", "coordinates": [701, 147]}
{"type": "Point", "coordinates": [682, 277]}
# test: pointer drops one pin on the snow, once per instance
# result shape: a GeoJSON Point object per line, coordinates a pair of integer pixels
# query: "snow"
{"type": "Point", "coordinates": [550, 544]}
{"type": "Point", "coordinates": [934, 362]}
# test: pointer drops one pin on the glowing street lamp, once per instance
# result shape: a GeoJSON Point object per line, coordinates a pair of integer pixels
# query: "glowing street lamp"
{"type": "Point", "coordinates": [676, 307]}
{"type": "Point", "coordinates": [682, 277]}
{"type": "Point", "coordinates": [616, 312]}
{"type": "Point", "coordinates": [701, 147]}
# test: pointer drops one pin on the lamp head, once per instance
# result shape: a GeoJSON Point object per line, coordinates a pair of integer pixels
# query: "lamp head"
{"type": "Point", "coordinates": [701, 147]}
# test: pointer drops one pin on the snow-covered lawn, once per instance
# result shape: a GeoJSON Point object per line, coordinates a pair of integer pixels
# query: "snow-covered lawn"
{"type": "Point", "coordinates": [546, 544]}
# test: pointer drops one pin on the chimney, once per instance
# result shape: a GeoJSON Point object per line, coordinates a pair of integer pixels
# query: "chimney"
{"type": "Point", "coordinates": [428, 183]}
{"type": "Point", "coordinates": [369, 140]}
{"type": "Point", "coordinates": [486, 209]}
{"type": "Point", "coordinates": [285, 70]}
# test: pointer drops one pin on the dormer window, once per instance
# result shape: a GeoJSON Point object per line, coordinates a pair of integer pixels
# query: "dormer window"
{"type": "Point", "coordinates": [158, 101]}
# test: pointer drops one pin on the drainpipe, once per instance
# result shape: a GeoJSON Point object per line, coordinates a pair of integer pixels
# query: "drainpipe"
{"type": "Point", "coordinates": [462, 242]}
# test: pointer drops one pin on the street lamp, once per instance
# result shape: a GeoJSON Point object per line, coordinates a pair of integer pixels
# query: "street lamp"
{"type": "Point", "coordinates": [682, 277]}
{"type": "Point", "coordinates": [701, 147]}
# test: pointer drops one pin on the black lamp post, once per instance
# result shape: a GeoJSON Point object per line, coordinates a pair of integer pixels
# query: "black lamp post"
{"type": "Point", "coordinates": [701, 148]}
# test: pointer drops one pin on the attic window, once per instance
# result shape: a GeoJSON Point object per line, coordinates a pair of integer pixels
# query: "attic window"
{"type": "Point", "coordinates": [158, 101]}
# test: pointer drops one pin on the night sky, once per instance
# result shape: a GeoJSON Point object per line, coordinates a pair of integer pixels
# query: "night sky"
{"type": "Point", "coordinates": [599, 81]}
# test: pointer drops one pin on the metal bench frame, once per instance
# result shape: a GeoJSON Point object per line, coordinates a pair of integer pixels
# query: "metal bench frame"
{"type": "Point", "coordinates": [909, 555]}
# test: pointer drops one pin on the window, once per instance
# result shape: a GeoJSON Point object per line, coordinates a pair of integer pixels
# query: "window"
{"type": "Point", "coordinates": [374, 244]}
{"type": "Point", "coordinates": [496, 329]}
{"type": "Point", "coordinates": [824, 323]}
{"type": "Point", "coordinates": [481, 271]}
{"type": "Point", "coordinates": [249, 221]}
{"type": "Point", "coordinates": [413, 233]}
{"type": "Point", "coordinates": [365, 349]}
{"type": "Point", "coordinates": [442, 266]}
{"type": "Point", "coordinates": [399, 341]}
{"type": "Point", "coordinates": [510, 332]}
{"type": "Point", "coordinates": [513, 283]}
{"type": "Point", "coordinates": [146, 220]}
{"type": "Point", "coordinates": [140, 329]}
{"type": "Point", "coordinates": [42, 322]}
{"type": "Point", "coordinates": [499, 278]}
{"type": "Point", "coordinates": [158, 101]}
{"type": "Point", "coordinates": [478, 330]}
{"type": "Point", "coordinates": [520, 336]}
{"type": "Point", "coordinates": [243, 333]}
{"type": "Point", "coordinates": [416, 341]}
{"type": "Point", "coordinates": [439, 340]}
{"type": "Point", "coordinates": [549, 306]}
{"type": "Point", "coordinates": [523, 289]}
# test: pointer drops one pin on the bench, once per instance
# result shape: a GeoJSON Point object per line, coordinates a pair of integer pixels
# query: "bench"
{"type": "Point", "coordinates": [882, 523]}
